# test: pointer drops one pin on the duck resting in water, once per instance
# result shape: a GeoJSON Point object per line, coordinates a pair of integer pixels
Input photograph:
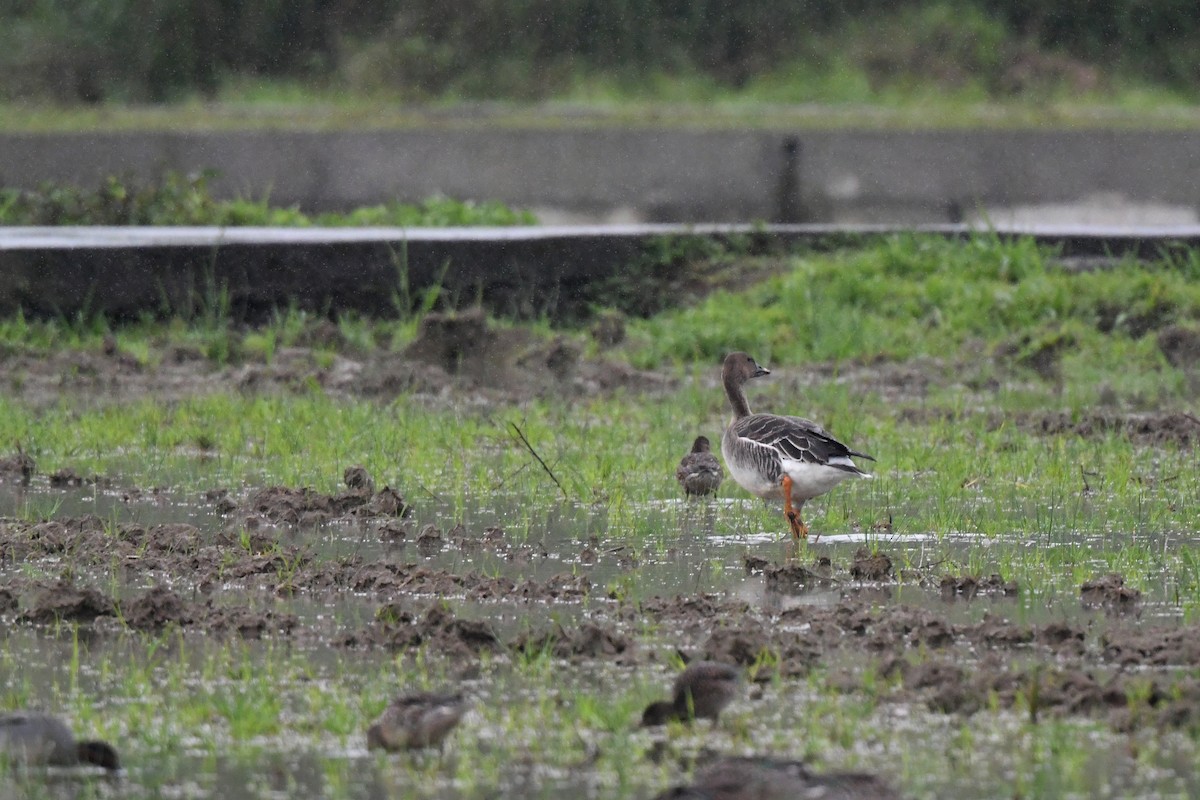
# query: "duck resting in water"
{"type": "Point", "coordinates": [412, 721]}
{"type": "Point", "coordinates": [34, 738]}
{"type": "Point", "coordinates": [701, 691]}
{"type": "Point", "coordinates": [699, 472]}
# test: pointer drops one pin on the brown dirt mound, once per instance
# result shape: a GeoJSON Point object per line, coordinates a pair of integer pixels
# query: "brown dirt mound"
{"type": "Point", "coordinates": [1110, 592]}
{"type": "Point", "coordinates": [586, 642]}
{"type": "Point", "coordinates": [66, 601]}
{"type": "Point", "coordinates": [967, 587]}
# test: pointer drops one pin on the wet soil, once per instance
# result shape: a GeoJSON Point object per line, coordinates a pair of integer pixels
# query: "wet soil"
{"type": "Point", "coordinates": [241, 579]}
{"type": "Point", "coordinates": [897, 636]}
{"type": "Point", "coordinates": [458, 354]}
{"type": "Point", "coordinates": [464, 356]}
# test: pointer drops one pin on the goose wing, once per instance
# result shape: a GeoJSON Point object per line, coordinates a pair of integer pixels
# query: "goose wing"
{"type": "Point", "coordinates": [797, 439]}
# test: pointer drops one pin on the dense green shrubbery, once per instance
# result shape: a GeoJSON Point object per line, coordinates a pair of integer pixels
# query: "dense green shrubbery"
{"type": "Point", "coordinates": [92, 50]}
{"type": "Point", "coordinates": [186, 200]}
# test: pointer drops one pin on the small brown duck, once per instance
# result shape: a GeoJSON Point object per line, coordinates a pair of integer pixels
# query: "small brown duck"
{"type": "Point", "coordinates": [700, 692]}
{"type": "Point", "coordinates": [772, 456]}
{"type": "Point", "coordinates": [416, 720]}
{"type": "Point", "coordinates": [699, 472]}
{"type": "Point", "coordinates": [33, 738]}
{"type": "Point", "coordinates": [775, 779]}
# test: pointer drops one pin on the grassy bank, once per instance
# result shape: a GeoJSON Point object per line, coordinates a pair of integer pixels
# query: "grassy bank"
{"type": "Point", "coordinates": [598, 108]}
{"type": "Point", "coordinates": [177, 199]}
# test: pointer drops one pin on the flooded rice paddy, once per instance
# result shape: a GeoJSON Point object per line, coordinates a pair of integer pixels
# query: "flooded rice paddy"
{"type": "Point", "coordinates": [286, 619]}
{"type": "Point", "coordinates": [1010, 609]}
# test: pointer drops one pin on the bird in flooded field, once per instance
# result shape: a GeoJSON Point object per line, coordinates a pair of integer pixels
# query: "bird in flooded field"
{"type": "Point", "coordinates": [762, 778]}
{"type": "Point", "coordinates": [699, 472]}
{"type": "Point", "coordinates": [779, 457]}
{"type": "Point", "coordinates": [35, 739]}
{"type": "Point", "coordinates": [414, 721]}
{"type": "Point", "coordinates": [701, 691]}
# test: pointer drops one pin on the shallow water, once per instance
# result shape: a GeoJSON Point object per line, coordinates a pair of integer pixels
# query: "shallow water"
{"type": "Point", "coordinates": [693, 548]}
{"type": "Point", "coordinates": [687, 549]}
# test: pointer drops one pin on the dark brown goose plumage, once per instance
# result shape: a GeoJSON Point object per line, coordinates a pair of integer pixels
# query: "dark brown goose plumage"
{"type": "Point", "coordinates": [37, 739]}
{"type": "Point", "coordinates": [701, 691]}
{"type": "Point", "coordinates": [753, 778]}
{"type": "Point", "coordinates": [416, 720]}
{"type": "Point", "coordinates": [699, 472]}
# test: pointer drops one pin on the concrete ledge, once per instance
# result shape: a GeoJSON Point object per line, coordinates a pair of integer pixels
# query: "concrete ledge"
{"type": "Point", "coordinates": [522, 272]}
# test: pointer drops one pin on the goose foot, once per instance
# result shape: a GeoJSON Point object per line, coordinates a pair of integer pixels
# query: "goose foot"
{"type": "Point", "coordinates": [799, 529]}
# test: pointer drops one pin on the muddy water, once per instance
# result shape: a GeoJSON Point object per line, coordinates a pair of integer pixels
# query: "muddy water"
{"type": "Point", "coordinates": [697, 552]}
{"type": "Point", "coordinates": [709, 580]}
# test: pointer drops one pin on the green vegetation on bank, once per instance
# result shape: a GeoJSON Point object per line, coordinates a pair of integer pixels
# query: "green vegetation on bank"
{"type": "Point", "coordinates": [303, 108]}
{"type": "Point", "coordinates": [773, 51]}
{"type": "Point", "coordinates": [186, 200]}
{"type": "Point", "coordinates": [978, 302]}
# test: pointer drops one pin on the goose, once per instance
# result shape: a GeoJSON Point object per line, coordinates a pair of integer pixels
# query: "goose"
{"type": "Point", "coordinates": [701, 691]}
{"type": "Point", "coordinates": [758, 778]}
{"type": "Point", "coordinates": [34, 738]}
{"type": "Point", "coordinates": [416, 720]}
{"type": "Point", "coordinates": [699, 472]}
{"type": "Point", "coordinates": [774, 456]}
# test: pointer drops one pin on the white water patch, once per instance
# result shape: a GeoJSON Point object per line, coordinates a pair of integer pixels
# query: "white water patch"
{"type": "Point", "coordinates": [870, 537]}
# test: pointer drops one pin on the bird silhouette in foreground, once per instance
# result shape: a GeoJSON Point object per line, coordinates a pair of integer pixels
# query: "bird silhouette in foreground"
{"type": "Point", "coordinates": [416, 720]}
{"type": "Point", "coordinates": [754, 778]}
{"type": "Point", "coordinates": [772, 456]}
{"type": "Point", "coordinates": [699, 472]}
{"type": "Point", "coordinates": [701, 691]}
{"type": "Point", "coordinates": [33, 738]}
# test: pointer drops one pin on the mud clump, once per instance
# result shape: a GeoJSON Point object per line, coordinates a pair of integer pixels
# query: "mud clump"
{"type": "Point", "coordinates": [8, 601]}
{"type": "Point", "coordinates": [1180, 346]}
{"type": "Point", "coordinates": [870, 566]}
{"type": "Point", "coordinates": [609, 329]}
{"type": "Point", "coordinates": [945, 686]}
{"type": "Point", "coordinates": [1001, 633]}
{"type": "Point", "coordinates": [793, 579]}
{"type": "Point", "coordinates": [246, 622]}
{"type": "Point", "coordinates": [1040, 353]}
{"type": "Point", "coordinates": [755, 565]}
{"type": "Point", "coordinates": [1153, 646]}
{"type": "Point", "coordinates": [155, 610]}
{"type": "Point", "coordinates": [1109, 592]}
{"type": "Point", "coordinates": [453, 342]}
{"type": "Point", "coordinates": [968, 587]}
{"type": "Point", "coordinates": [1147, 429]}
{"type": "Point", "coordinates": [764, 777]}
{"type": "Point", "coordinates": [430, 541]}
{"type": "Point", "coordinates": [20, 467]}
{"type": "Point", "coordinates": [282, 505]}
{"type": "Point", "coordinates": [737, 645]}
{"type": "Point", "coordinates": [587, 642]}
{"type": "Point", "coordinates": [66, 601]}
{"type": "Point", "coordinates": [358, 479]}
{"type": "Point", "coordinates": [166, 539]}
{"type": "Point", "coordinates": [445, 630]}
{"type": "Point", "coordinates": [66, 478]}
{"type": "Point", "coordinates": [438, 631]}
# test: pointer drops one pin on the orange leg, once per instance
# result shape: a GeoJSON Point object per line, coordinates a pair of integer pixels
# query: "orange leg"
{"type": "Point", "coordinates": [799, 529]}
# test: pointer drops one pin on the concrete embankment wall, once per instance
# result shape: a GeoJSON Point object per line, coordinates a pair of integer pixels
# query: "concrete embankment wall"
{"type": "Point", "coordinates": [558, 273]}
{"type": "Point", "coordinates": [653, 174]}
